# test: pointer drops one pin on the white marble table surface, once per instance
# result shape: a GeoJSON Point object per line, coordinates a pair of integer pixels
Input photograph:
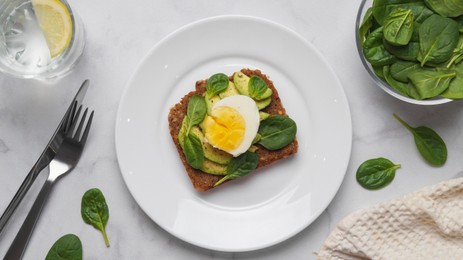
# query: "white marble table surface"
{"type": "Point", "coordinates": [119, 35]}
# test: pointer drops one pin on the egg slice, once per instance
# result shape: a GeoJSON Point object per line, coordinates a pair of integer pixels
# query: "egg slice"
{"type": "Point", "coordinates": [232, 124]}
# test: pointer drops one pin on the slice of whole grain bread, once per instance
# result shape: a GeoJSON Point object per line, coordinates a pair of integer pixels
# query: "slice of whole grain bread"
{"type": "Point", "coordinates": [203, 181]}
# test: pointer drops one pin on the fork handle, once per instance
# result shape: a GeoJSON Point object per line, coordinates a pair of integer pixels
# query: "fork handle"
{"type": "Point", "coordinates": [27, 183]}
{"type": "Point", "coordinates": [21, 240]}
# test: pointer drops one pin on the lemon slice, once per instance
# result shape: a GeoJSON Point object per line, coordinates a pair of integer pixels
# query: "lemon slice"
{"type": "Point", "coordinates": [56, 24]}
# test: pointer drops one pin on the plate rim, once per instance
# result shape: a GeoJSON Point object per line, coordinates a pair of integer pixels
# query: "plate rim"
{"type": "Point", "coordinates": [339, 86]}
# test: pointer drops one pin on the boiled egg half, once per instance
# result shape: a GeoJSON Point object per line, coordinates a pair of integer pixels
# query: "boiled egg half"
{"type": "Point", "coordinates": [232, 124]}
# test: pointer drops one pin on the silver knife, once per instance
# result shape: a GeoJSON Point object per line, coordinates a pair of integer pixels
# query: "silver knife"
{"type": "Point", "coordinates": [47, 155]}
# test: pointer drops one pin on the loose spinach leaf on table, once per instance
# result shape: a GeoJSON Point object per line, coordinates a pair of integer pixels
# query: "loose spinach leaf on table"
{"type": "Point", "coordinates": [216, 84]}
{"type": "Point", "coordinates": [67, 247]}
{"type": "Point", "coordinates": [240, 166]}
{"type": "Point", "coordinates": [431, 82]}
{"type": "Point", "coordinates": [193, 150]}
{"type": "Point", "coordinates": [398, 27]}
{"type": "Point", "coordinates": [438, 38]}
{"type": "Point", "coordinates": [277, 132]}
{"type": "Point", "coordinates": [376, 173]}
{"type": "Point", "coordinates": [430, 145]}
{"type": "Point", "coordinates": [95, 212]}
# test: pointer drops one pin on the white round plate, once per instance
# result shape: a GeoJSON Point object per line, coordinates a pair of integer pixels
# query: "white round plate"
{"type": "Point", "coordinates": [266, 206]}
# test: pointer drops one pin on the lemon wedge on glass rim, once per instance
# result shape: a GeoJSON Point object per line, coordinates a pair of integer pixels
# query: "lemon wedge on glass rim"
{"type": "Point", "coordinates": [56, 24]}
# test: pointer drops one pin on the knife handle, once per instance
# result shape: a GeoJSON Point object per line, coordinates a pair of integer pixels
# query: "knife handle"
{"type": "Point", "coordinates": [19, 244]}
{"type": "Point", "coordinates": [27, 183]}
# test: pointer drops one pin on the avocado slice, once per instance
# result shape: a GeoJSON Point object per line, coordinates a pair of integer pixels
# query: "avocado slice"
{"type": "Point", "coordinates": [210, 102]}
{"type": "Point", "coordinates": [253, 148]}
{"type": "Point", "coordinates": [181, 133]}
{"type": "Point", "coordinates": [261, 104]}
{"type": "Point", "coordinates": [241, 83]}
{"type": "Point", "coordinates": [229, 91]}
{"type": "Point", "coordinates": [268, 93]}
{"type": "Point", "coordinates": [211, 153]}
{"type": "Point", "coordinates": [213, 168]}
{"type": "Point", "coordinates": [263, 115]}
{"type": "Point", "coordinates": [208, 166]}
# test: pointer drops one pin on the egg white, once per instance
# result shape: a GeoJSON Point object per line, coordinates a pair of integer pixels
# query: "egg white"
{"type": "Point", "coordinates": [247, 108]}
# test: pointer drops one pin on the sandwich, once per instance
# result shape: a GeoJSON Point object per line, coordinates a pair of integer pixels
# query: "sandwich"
{"type": "Point", "coordinates": [229, 126]}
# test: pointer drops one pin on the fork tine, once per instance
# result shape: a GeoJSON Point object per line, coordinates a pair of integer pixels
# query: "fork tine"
{"type": "Point", "coordinates": [87, 129]}
{"type": "Point", "coordinates": [74, 122]}
{"type": "Point", "coordinates": [70, 116]}
{"type": "Point", "coordinates": [79, 128]}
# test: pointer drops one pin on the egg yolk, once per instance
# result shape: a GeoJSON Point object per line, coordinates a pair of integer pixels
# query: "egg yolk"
{"type": "Point", "coordinates": [224, 129]}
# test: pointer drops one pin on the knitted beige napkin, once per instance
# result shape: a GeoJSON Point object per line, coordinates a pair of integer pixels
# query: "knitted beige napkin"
{"type": "Point", "coordinates": [426, 224]}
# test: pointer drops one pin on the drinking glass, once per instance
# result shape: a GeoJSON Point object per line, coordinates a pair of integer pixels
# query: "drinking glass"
{"type": "Point", "coordinates": [24, 52]}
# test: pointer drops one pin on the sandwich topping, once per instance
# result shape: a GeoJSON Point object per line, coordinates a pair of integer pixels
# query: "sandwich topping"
{"type": "Point", "coordinates": [232, 124]}
{"type": "Point", "coordinates": [225, 126]}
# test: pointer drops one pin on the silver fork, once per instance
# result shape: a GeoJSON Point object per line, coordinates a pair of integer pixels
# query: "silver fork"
{"type": "Point", "coordinates": [44, 160]}
{"type": "Point", "coordinates": [65, 160]}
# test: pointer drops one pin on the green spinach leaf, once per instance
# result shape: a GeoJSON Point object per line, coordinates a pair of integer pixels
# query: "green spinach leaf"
{"type": "Point", "coordinates": [374, 50]}
{"type": "Point", "coordinates": [216, 84]}
{"type": "Point", "coordinates": [447, 8]}
{"type": "Point", "coordinates": [438, 38]}
{"type": "Point", "coordinates": [257, 87]}
{"type": "Point", "coordinates": [277, 132]}
{"type": "Point", "coordinates": [401, 69]}
{"type": "Point", "coordinates": [376, 173]}
{"type": "Point", "coordinates": [67, 247]}
{"type": "Point", "coordinates": [405, 89]}
{"type": "Point", "coordinates": [95, 212]}
{"type": "Point", "coordinates": [193, 150]}
{"type": "Point", "coordinates": [366, 25]}
{"type": "Point", "coordinates": [407, 52]}
{"type": "Point", "coordinates": [398, 27]}
{"type": "Point", "coordinates": [196, 111]}
{"type": "Point", "coordinates": [457, 56]}
{"type": "Point", "coordinates": [430, 145]}
{"type": "Point", "coordinates": [382, 8]}
{"type": "Point", "coordinates": [459, 20]}
{"type": "Point", "coordinates": [455, 90]}
{"type": "Point", "coordinates": [421, 13]}
{"type": "Point", "coordinates": [430, 83]}
{"type": "Point", "coordinates": [240, 166]}
{"type": "Point", "coordinates": [378, 70]}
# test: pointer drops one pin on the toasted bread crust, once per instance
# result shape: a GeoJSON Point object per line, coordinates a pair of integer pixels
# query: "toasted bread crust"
{"type": "Point", "coordinates": [203, 181]}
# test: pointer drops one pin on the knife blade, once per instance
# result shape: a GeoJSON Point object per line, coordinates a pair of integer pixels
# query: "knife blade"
{"type": "Point", "coordinates": [47, 155]}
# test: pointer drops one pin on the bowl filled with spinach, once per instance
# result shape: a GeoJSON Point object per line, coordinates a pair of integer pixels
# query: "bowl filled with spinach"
{"type": "Point", "coordinates": [413, 49]}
